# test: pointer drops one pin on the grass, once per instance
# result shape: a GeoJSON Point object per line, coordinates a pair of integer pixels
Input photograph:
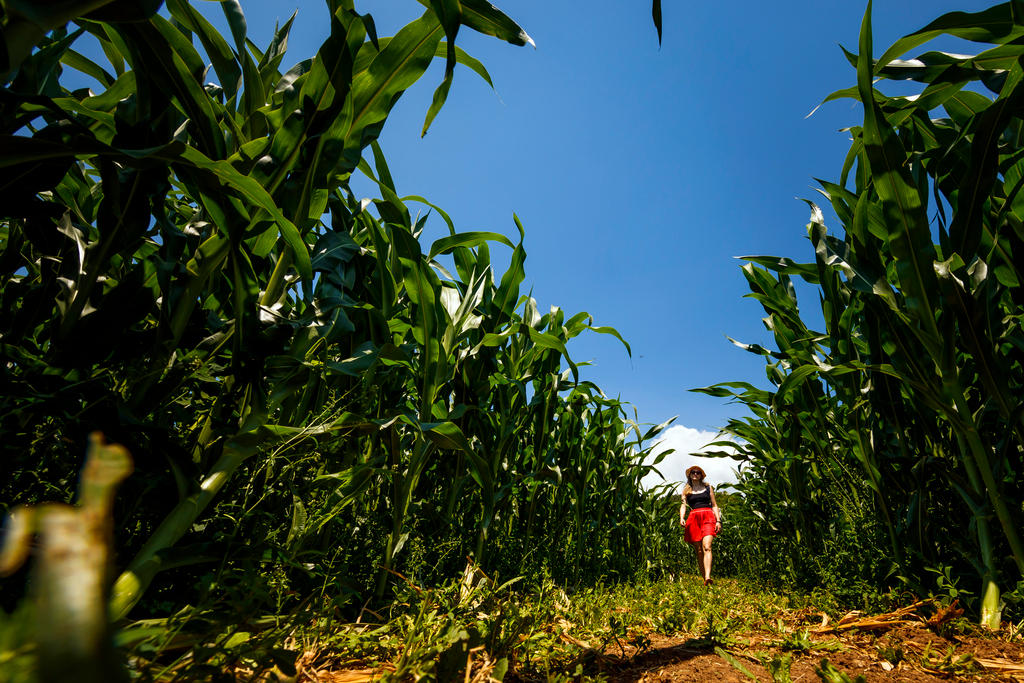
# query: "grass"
{"type": "Point", "coordinates": [542, 632]}
{"type": "Point", "coordinates": [477, 628]}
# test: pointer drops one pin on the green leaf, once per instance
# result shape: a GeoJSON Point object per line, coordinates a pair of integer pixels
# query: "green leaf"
{"type": "Point", "coordinates": [483, 17]}
{"type": "Point", "coordinates": [909, 236]}
{"type": "Point", "coordinates": [213, 42]}
{"type": "Point", "coordinates": [449, 13]}
{"type": "Point", "coordinates": [795, 379]}
{"type": "Point", "coordinates": [658, 429]}
{"type": "Point", "coordinates": [87, 66]}
{"type": "Point", "coordinates": [444, 216]}
{"type": "Point", "coordinates": [119, 11]}
{"type": "Point", "coordinates": [446, 435]}
{"type": "Point", "coordinates": [735, 663]}
{"type": "Point", "coordinates": [965, 230]}
{"type": "Point", "coordinates": [615, 333]}
{"type": "Point", "coordinates": [395, 68]}
{"type": "Point", "coordinates": [170, 61]}
{"type": "Point", "coordinates": [656, 15]}
{"type": "Point", "coordinates": [446, 245]}
{"type": "Point", "coordinates": [467, 60]}
{"type": "Point", "coordinates": [440, 96]}
{"type": "Point", "coordinates": [508, 291]}
{"type": "Point", "coordinates": [236, 22]}
{"type": "Point", "coordinates": [298, 524]}
{"type": "Point", "coordinates": [782, 264]}
{"type": "Point", "coordinates": [993, 25]}
{"type": "Point", "coordinates": [381, 164]}
{"type": "Point", "coordinates": [255, 193]}
{"type": "Point", "coordinates": [271, 59]}
{"type": "Point", "coordinates": [391, 207]}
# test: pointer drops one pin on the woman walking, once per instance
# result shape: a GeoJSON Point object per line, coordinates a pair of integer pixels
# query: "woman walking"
{"type": "Point", "coordinates": [705, 520]}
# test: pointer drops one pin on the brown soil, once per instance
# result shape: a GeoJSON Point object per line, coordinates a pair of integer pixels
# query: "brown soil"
{"type": "Point", "coordinates": [926, 656]}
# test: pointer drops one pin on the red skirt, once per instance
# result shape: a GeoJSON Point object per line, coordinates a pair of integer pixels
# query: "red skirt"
{"type": "Point", "coordinates": [700, 523]}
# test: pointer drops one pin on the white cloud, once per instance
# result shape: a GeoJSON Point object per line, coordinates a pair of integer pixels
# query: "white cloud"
{"type": "Point", "coordinates": [687, 440]}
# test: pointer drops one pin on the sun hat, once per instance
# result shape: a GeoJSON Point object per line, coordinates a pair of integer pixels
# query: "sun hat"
{"type": "Point", "coordinates": [696, 468]}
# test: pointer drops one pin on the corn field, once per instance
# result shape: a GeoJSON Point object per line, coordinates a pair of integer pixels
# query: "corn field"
{"type": "Point", "coordinates": [315, 399]}
{"type": "Point", "coordinates": [324, 409]}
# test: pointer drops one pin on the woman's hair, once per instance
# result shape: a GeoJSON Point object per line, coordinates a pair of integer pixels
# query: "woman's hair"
{"type": "Point", "coordinates": [694, 468]}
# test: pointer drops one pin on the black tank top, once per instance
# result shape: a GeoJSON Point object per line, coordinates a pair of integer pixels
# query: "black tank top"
{"type": "Point", "coordinates": [700, 500]}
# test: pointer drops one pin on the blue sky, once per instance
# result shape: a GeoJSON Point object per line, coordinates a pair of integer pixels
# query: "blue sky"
{"type": "Point", "coordinates": [639, 172]}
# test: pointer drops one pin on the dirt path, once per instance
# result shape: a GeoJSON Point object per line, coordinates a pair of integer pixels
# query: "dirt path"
{"type": "Point", "coordinates": [905, 652]}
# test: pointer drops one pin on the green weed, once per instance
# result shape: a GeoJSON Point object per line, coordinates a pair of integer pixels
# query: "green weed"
{"type": "Point", "coordinates": [830, 674]}
{"type": "Point", "coordinates": [949, 662]}
{"type": "Point", "coordinates": [798, 641]}
{"type": "Point", "coordinates": [894, 654]}
{"type": "Point", "coordinates": [735, 663]}
{"type": "Point", "coordinates": [778, 667]}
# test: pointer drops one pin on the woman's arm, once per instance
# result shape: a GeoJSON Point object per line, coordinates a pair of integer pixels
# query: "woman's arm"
{"type": "Point", "coordinates": [682, 513]}
{"type": "Point", "coordinates": [714, 507]}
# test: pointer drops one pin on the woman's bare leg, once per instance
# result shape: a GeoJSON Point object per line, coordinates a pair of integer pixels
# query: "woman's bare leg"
{"type": "Point", "coordinates": [705, 556]}
{"type": "Point", "coordinates": [700, 557]}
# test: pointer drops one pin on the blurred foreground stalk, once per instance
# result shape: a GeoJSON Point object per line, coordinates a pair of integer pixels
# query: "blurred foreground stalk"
{"type": "Point", "coordinates": [71, 573]}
